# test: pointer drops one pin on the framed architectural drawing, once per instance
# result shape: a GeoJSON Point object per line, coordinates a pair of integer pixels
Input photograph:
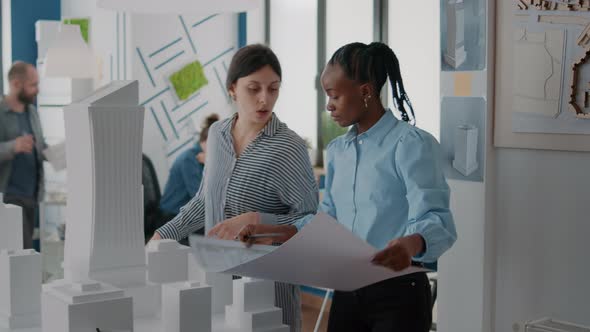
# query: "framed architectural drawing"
{"type": "Point", "coordinates": [543, 75]}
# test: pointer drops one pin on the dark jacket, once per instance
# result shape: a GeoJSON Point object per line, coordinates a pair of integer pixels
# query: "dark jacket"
{"type": "Point", "coordinates": [9, 131]}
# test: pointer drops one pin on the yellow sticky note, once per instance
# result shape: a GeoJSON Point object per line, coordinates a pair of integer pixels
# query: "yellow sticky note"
{"type": "Point", "coordinates": [463, 84]}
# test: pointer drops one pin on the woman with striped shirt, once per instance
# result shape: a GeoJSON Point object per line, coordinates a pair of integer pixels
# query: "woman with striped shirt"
{"type": "Point", "coordinates": [255, 167]}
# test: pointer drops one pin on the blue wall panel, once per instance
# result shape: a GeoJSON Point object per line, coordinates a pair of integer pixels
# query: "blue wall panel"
{"type": "Point", "coordinates": [24, 14]}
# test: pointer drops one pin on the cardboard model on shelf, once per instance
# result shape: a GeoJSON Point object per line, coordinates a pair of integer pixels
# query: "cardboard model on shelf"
{"type": "Point", "coordinates": [465, 149]}
{"type": "Point", "coordinates": [455, 54]}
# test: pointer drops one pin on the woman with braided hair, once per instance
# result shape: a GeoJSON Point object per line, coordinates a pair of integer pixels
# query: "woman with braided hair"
{"type": "Point", "coordinates": [384, 182]}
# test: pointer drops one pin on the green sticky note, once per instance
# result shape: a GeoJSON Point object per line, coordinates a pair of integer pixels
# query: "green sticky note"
{"type": "Point", "coordinates": [84, 24]}
{"type": "Point", "coordinates": [188, 80]}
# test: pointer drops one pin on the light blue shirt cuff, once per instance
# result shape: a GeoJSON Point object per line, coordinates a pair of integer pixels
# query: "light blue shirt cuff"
{"type": "Point", "coordinates": [437, 241]}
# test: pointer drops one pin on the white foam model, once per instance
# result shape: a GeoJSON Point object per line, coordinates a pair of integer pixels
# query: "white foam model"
{"type": "Point", "coordinates": [11, 236]}
{"type": "Point", "coordinates": [253, 308]}
{"type": "Point", "coordinates": [105, 202]}
{"type": "Point", "coordinates": [455, 49]}
{"type": "Point", "coordinates": [221, 284]}
{"type": "Point", "coordinates": [85, 306]}
{"type": "Point", "coordinates": [465, 149]}
{"type": "Point", "coordinates": [186, 307]}
{"type": "Point", "coordinates": [20, 288]}
{"type": "Point", "coordinates": [167, 261]}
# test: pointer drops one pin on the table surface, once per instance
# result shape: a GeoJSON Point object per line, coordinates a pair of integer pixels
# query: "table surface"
{"type": "Point", "coordinates": [153, 325]}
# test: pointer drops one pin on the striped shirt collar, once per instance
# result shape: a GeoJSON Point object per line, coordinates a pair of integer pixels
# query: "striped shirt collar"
{"type": "Point", "coordinates": [271, 128]}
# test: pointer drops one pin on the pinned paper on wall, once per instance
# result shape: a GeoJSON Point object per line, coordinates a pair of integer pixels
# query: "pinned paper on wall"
{"type": "Point", "coordinates": [463, 84]}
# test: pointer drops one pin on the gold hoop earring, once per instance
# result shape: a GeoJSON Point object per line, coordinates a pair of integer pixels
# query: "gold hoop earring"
{"type": "Point", "coordinates": [366, 103]}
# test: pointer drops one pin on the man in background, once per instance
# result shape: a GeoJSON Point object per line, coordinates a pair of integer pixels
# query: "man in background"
{"type": "Point", "coordinates": [21, 146]}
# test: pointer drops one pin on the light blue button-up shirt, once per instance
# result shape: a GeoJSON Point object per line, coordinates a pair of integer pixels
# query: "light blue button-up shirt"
{"type": "Point", "coordinates": [387, 183]}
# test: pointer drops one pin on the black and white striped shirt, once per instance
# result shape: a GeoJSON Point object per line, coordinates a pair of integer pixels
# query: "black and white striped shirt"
{"type": "Point", "coordinates": [273, 176]}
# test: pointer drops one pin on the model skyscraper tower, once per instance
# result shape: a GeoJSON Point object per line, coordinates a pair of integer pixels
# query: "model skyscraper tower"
{"type": "Point", "coordinates": [105, 205]}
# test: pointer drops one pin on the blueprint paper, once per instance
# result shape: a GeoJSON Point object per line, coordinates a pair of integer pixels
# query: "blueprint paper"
{"type": "Point", "coordinates": [323, 254]}
{"type": "Point", "coordinates": [218, 256]}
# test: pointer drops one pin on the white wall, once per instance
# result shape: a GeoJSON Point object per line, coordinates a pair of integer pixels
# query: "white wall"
{"type": "Point", "coordinates": [542, 234]}
{"type": "Point", "coordinates": [6, 43]}
{"type": "Point", "coordinates": [255, 24]}
{"type": "Point", "coordinates": [414, 36]}
{"type": "Point", "coordinates": [294, 39]}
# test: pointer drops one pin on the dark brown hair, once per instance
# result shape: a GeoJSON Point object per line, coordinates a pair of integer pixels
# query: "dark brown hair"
{"type": "Point", "coordinates": [211, 119]}
{"type": "Point", "coordinates": [18, 71]}
{"type": "Point", "coordinates": [373, 64]}
{"type": "Point", "coordinates": [250, 59]}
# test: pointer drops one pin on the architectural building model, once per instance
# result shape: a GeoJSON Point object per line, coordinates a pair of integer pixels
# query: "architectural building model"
{"type": "Point", "coordinates": [253, 307]}
{"type": "Point", "coordinates": [454, 54]}
{"type": "Point", "coordinates": [111, 281]}
{"type": "Point", "coordinates": [465, 160]}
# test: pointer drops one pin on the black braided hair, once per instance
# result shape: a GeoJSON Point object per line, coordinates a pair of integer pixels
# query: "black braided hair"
{"type": "Point", "coordinates": [373, 63]}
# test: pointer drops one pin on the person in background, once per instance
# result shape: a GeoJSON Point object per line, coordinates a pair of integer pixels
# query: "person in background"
{"type": "Point", "coordinates": [21, 146]}
{"type": "Point", "coordinates": [186, 175]}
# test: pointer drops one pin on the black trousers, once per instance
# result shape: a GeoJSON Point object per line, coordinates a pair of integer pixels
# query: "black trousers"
{"type": "Point", "coordinates": [402, 304]}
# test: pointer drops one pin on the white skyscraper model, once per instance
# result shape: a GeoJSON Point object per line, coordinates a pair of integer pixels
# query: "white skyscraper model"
{"type": "Point", "coordinates": [105, 205]}
{"type": "Point", "coordinates": [455, 49]}
{"type": "Point", "coordinates": [465, 149]}
{"type": "Point", "coordinates": [104, 258]}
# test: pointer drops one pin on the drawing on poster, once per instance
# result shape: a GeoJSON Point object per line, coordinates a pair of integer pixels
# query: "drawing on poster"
{"type": "Point", "coordinates": [551, 76]}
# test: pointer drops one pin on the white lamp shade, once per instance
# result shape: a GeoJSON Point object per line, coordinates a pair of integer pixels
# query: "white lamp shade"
{"type": "Point", "coordinates": [69, 56]}
{"type": "Point", "coordinates": [204, 7]}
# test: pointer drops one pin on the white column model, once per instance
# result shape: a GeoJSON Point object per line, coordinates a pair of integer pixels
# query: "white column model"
{"type": "Point", "coordinates": [465, 149]}
{"type": "Point", "coordinates": [11, 234]}
{"type": "Point", "coordinates": [186, 307]}
{"type": "Point", "coordinates": [221, 284]}
{"type": "Point", "coordinates": [253, 307]}
{"type": "Point", "coordinates": [167, 261]}
{"type": "Point", "coordinates": [455, 49]}
{"type": "Point", "coordinates": [20, 288]}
